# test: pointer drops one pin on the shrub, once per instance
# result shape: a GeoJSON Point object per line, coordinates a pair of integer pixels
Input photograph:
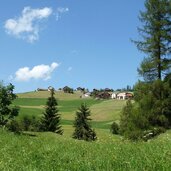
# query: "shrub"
{"type": "Point", "coordinates": [114, 128]}
{"type": "Point", "coordinates": [14, 126]}
{"type": "Point", "coordinates": [149, 134]}
{"type": "Point", "coordinates": [30, 123]}
{"type": "Point", "coordinates": [7, 111]}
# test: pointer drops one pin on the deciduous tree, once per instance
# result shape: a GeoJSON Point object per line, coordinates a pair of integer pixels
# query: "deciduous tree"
{"type": "Point", "coordinates": [7, 111]}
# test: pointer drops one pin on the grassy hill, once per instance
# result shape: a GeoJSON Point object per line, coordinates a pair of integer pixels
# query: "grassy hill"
{"type": "Point", "coordinates": [48, 151]}
{"type": "Point", "coordinates": [44, 94]}
{"type": "Point", "coordinates": [103, 112]}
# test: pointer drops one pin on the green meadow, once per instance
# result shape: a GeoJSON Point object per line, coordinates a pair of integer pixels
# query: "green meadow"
{"type": "Point", "coordinates": [48, 151]}
{"type": "Point", "coordinates": [103, 112]}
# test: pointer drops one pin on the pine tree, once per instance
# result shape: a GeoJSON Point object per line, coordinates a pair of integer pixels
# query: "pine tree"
{"type": "Point", "coordinates": [156, 39]}
{"type": "Point", "coordinates": [151, 112]}
{"type": "Point", "coordinates": [51, 119]}
{"type": "Point", "coordinates": [83, 130]}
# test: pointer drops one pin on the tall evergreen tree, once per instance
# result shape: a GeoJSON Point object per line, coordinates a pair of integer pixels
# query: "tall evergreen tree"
{"type": "Point", "coordinates": [151, 112]}
{"type": "Point", "coordinates": [156, 39]}
{"type": "Point", "coordinates": [83, 130]}
{"type": "Point", "coordinates": [7, 112]}
{"type": "Point", "coordinates": [51, 119]}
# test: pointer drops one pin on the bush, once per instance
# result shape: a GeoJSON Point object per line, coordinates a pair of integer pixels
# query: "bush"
{"type": "Point", "coordinates": [149, 134]}
{"type": "Point", "coordinates": [7, 111]}
{"type": "Point", "coordinates": [29, 123]}
{"type": "Point", "coordinates": [114, 128]}
{"type": "Point", "coordinates": [14, 126]}
{"type": "Point", "coordinates": [133, 122]}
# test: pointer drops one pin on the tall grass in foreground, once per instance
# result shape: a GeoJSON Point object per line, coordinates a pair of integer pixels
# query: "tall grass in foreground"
{"type": "Point", "coordinates": [48, 151]}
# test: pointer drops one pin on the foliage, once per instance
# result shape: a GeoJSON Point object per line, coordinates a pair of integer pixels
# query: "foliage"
{"type": "Point", "coordinates": [149, 134]}
{"type": "Point", "coordinates": [132, 123]}
{"type": "Point", "coordinates": [151, 110]}
{"type": "Point", "coordinates": [83, 130]}
{"type": "Point", "coordinates": [156, 39]}
{"type": "Point", "coordinates": [7, 112]}
{"type": "Point", "coordinates": [83, 90]}
{"type": "Point", "coordinates": [114, 128]}
{"type": "Point", "coordinates": [51, 119]}
{"type": "Point", "coordinates": [67, 89]}
{"type": "Point", "coordinates": [28, 123]}
{"type": "Point", "coordinates": [14, 126]}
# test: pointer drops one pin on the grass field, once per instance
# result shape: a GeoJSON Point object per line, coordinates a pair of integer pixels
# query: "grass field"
{"type": "Point", "coordinates": [103, 112]}
{"type": "Point", "coordinates": [44, 94]}
{"type": "Point", "coordinates": [48, 151]}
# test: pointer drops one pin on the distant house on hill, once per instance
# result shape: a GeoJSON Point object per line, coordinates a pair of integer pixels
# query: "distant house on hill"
{"type": "Point", "coordinates": [103, 95]}
{"type": "Point", "coordinates": [48, 89]}
{"type": "Point", "coordinates": [121, 96]}
{"type": "Point", "coordinates": [86, 95]}
{"type": "Point", "coordinates": [124, 96]}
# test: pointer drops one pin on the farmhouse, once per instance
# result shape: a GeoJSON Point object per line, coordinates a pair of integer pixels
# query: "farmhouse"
{"type": "Point", "coordinates": [124, 96]}
{"type": "Point", "coordinates": [103, 95]}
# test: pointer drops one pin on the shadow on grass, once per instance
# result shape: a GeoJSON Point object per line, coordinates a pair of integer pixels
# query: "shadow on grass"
{"type": "Point", "coordinates": [30, 134]}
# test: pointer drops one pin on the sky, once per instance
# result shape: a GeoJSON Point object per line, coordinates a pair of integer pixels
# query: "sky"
{"type": "Point", "coordinates": [76, 43]}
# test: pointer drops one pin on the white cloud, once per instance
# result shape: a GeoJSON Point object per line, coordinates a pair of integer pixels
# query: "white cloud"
{"type": "Point", "coordinates": [60, 11]}
{"type": "Point", "coordinates": [70, 68]}
{"type": "Point", "coordinates": [27, 26]}
{"type": "Point", "coordinates": [37, 72]}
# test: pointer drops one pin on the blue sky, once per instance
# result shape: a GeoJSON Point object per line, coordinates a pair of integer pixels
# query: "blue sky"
{"type": "Point", "coordinates": [69, 42]}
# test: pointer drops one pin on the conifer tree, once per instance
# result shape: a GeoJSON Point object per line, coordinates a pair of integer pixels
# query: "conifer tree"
{"type": "Point", "coordinates": [156, 39]}
{"type": "Point", "coordinates": [83, 130]}
{"type": "Point", "coordinates": [151, 111]}
{"type": "Point", "coordinates": [51, 119]}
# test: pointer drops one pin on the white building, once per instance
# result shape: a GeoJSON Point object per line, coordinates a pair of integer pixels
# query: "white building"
{"type": "Point", "coordinates": [114, 95]}
{"type": "Point", "coordinates": [121, 96]}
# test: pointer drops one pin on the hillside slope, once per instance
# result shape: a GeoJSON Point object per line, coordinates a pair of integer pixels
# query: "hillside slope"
{"type": "Point", "coordinates": [103, 112]}
{"type": "Point", "coordinates": [48, 151]}
{"type": "Point", "coordinates": [45, 94]}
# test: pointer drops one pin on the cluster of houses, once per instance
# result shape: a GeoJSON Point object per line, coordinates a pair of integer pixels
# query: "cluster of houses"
{"type": "Point", "coordinates": [102, 95]}
{"type": "Point", "coordinates": [111, 95]}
